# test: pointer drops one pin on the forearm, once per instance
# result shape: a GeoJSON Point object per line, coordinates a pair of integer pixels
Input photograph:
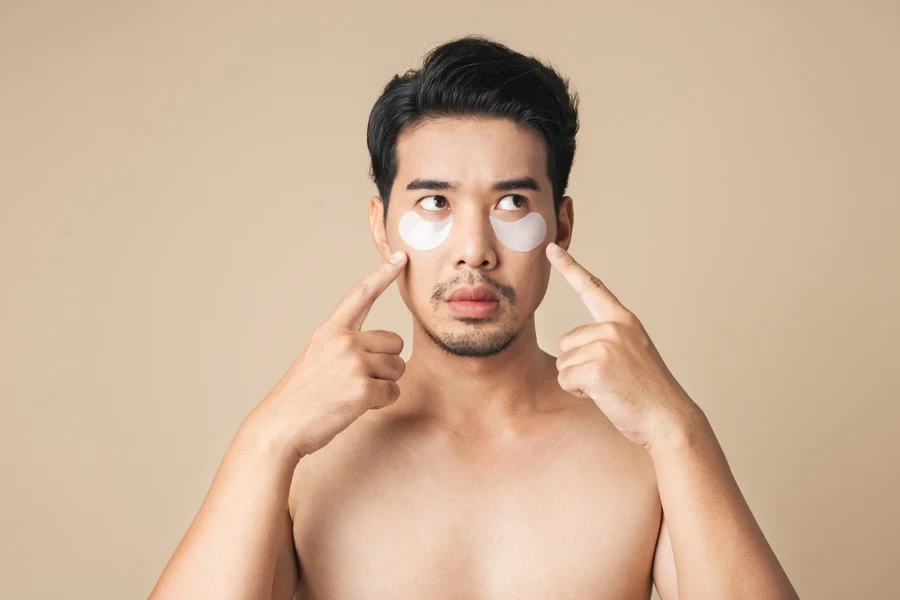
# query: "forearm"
{"type": "Point", "coordinates": [230, 548]}
{"type": "Point", "coordinates": [719, 549]}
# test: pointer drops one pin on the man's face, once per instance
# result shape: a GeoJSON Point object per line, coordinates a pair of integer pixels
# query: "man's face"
{"type": "Point", "coordinates": [466, 234]}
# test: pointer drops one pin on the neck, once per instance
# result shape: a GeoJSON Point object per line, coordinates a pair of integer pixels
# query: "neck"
{"type": "Point", "coordinates": [479, 393]}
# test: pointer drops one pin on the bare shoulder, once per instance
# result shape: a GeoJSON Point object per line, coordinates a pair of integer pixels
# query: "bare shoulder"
{"type": "Point", "coordinates": [616, 460]}
{"type": "Point", "coordinates": [327, 465]}
{"type": "Point", "coordinates": [603, 443]}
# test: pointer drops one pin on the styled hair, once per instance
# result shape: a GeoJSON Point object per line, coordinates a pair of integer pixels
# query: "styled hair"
{"type": "Point", "coordinates": [474, 76]}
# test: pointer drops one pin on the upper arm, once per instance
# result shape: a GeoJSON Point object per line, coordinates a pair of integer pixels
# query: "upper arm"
{"type": "Point", "coordinates": [664, 565]}
{"type": "Point", "coordinates": [287, 566]}
{"type": "Point", "coordinates": [287, 562]}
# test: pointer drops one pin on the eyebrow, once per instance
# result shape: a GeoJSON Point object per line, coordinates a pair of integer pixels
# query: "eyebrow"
{"type": "Point", "coordinates": [519, 183]}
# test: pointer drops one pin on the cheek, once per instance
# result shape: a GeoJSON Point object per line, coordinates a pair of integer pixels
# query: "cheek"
{"type": "Point", "coordinates": [523, 235]}
{"type": "Point", "coordinates": [417, 281]}
{"type": "Point", "coordinates": [421, 234]}
{"type": "Point", "coordinates": [531, 275]}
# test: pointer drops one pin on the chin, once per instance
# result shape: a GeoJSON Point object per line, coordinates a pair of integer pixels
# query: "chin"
{"type": "Point", "coordinates": [480, 341]}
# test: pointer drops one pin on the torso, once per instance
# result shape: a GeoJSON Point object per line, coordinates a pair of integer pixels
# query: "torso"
{"type": "Point", "coordinates": [392, 508]}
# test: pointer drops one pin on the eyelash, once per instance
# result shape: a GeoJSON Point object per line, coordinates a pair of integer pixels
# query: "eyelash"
{"type": "Point", "coordinates": [524, 199]}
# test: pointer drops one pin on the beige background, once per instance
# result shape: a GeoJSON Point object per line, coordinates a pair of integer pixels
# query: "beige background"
{"type": "Point", "coordinates": [184, 194]}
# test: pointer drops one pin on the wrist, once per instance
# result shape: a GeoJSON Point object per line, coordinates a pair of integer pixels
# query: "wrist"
{"type": "Point", "coordinates": [675, 432]}
{"type": "Point", "coordinates": [263, 435]}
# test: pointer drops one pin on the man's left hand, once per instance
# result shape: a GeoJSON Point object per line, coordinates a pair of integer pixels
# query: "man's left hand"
{"type": "Point", "coordinates": [614, 362]}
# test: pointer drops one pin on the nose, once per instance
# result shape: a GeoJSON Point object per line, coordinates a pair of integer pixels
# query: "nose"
{"type": "Point", "coordinates": [473, 239]}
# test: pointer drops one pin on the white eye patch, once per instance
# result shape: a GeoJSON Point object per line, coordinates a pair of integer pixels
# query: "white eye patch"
{"type": "Point", "coordinates": [422, 234]}
{"type": "Point", "coordinates": [523, 235]}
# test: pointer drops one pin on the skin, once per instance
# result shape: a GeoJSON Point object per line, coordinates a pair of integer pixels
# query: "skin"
{"type": "Point", "coordinates": [482, 467]}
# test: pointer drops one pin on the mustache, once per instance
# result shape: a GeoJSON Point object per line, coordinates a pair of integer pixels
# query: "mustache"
{"type": "Point", "coordinates": [442, 290]}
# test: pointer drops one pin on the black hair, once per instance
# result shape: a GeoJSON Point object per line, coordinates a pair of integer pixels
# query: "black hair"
{"type": "Point", "coordinates": [474, 76]}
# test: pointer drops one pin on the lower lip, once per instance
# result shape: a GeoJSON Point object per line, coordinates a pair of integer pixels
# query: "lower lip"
{"type": "Point", "coordinates": [474, 308]}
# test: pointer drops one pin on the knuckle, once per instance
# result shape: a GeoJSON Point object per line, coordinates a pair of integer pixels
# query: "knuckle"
{"type": "Point", "coordinates": [319, 334]}
{"type": "Point", "coordinates": [590, 283]}
{"type": "Point", "coordinates": [360, 288]}
{"type": "Point", "coordinates": [594, 368]}
{"type": "Point", "coordinates": [630, 319]}
{"type": "Point", "coordinates": [602, 351]}
{"type": "Point", "coordinates": [344, 343]}
{"type": "Point", "coordinates": [567, 347]}
{"type": "Point", "coordinates": [613, 329]}
{"type": "Point", "coordinates": [356, 365]}
{"type": "Point", "coordinates": [645, 342]}
{"type": "Point", "coordinates": [361, 387]}
{"type": "Point", "coordinates": [366, 397]}
{"type": "Point", "coordinates": [385, 269]}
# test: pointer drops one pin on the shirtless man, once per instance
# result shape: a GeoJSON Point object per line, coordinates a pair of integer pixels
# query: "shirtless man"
{"type": "Point", "coordinates": [482, 467]}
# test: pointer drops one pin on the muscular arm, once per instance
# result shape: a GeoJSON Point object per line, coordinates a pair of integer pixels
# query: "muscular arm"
{"type": "Point", "coordinates": [242, 531]}
{"type": "Point", "coordinates": [709, 533]}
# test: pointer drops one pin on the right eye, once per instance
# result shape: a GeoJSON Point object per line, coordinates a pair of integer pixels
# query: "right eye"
{"type": "Point", "coordinates": [425, 202]}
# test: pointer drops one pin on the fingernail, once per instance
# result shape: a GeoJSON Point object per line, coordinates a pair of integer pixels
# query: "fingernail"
{"type": "Point", "coordinates": [554, 249]}
{"type": "Point", "coordinates": [397, 257]}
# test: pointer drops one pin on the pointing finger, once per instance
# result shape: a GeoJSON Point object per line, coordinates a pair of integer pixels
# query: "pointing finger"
{"type": "Point", "coordinates": [601, 302]}
{"type": "Point", "coordinates": [353, 309]}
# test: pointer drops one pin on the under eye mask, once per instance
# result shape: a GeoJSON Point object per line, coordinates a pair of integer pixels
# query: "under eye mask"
{"type": "Point", "coordinates": [523, 235]}
{"type": "Point", "coordinates": [422, 234]}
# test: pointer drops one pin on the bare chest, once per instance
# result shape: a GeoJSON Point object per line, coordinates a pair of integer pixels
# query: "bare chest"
{"type": "Point", "coordinates": [557, 525]}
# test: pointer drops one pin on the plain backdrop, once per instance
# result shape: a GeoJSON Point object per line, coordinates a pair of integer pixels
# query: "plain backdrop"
{"type": "Point", "coordinates": [184, 191]}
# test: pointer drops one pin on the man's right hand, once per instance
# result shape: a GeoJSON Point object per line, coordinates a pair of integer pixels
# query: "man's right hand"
{"type": "Point", "coordinates": [339, 374]}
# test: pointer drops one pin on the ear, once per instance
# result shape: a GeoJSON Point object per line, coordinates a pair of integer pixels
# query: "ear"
{"type": "Point", "coordinates": [564, 223]}
{"type": "Point", "coordinates": [376, 224]}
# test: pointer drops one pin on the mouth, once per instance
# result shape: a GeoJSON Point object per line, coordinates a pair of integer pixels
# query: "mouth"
{"type": "Point", "coordinates": [474, 308]}
{"type": "Point", "coordinates": [479, 301]}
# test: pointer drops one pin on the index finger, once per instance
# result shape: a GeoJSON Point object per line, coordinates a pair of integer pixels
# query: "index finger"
{"type": "Point", "coordinates": [601, 302]}
{"type": "Point", "coordinates": [353, 309]}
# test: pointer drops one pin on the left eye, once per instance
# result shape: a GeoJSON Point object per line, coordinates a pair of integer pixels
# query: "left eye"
{"type": "Point", "coordinates": [521, 202]}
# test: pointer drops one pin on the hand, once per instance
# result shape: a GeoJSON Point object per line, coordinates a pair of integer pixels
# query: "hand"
{"type": "Point", "coordinates": [614, 362]}
{"type": "Point", "coordinates": [339, 374]}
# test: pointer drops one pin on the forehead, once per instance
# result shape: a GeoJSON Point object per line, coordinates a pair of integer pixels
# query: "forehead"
{"type": "Point", "coordinates": [472, 151]}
